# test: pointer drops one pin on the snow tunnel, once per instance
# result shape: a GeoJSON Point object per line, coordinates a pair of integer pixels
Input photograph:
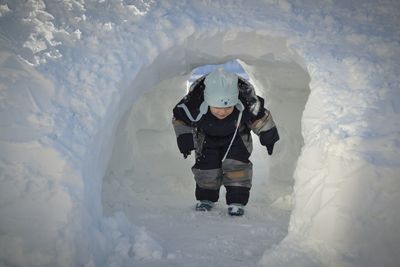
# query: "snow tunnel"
{"type": "Point", "coordinates": [86, 130]}
{"type": "Point", "coordinates": [146, 167]}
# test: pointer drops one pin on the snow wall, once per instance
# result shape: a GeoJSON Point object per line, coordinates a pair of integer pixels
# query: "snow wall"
{"type": "Point", "coordinates": [70, 71]}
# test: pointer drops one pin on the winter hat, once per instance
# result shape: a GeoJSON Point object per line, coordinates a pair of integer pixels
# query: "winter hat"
{"type": "Point", "coordinates": [221, 89]}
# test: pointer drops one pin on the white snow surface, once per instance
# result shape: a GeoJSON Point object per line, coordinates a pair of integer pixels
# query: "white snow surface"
{"type": "Point", "coordinates": [90, 173]}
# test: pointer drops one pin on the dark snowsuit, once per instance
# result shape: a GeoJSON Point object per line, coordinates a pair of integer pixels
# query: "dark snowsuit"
{"type": "Point", "coordinates": [210, 138]}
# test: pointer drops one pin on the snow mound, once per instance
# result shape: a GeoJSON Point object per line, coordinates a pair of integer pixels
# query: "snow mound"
{"type": "Point", "coordinates": [73, 71]}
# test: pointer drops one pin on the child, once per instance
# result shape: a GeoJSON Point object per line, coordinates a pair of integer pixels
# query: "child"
{"type": "Point", "coordinates": [215, 119]}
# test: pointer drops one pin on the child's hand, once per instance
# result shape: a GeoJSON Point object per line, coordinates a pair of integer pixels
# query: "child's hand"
{"type": "Point", "coordinates": [185, 144]}
{"type": "Point", "coordinates": [270, 148]}
{"type": "Point", "coordinates": [269, 138]}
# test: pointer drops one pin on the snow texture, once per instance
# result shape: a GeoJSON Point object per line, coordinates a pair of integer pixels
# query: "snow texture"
{"type": "Point", "coordinates": [89, 170]}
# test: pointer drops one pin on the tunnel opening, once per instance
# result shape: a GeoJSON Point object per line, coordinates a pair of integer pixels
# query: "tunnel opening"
{"type": "Point", "coordinates": [147, 175]}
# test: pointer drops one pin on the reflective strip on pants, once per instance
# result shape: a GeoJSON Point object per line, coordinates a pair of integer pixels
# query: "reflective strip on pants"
{"type": "Point", "coordinates": [208, 179]}
{"type": "Point", "coordinates": [237, 173]}
{"type": "Point", "coordinates": [232, 173]}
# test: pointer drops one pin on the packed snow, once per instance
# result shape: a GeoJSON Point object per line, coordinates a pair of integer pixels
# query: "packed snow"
{"type": "Point", "coordinates": [89, 168]}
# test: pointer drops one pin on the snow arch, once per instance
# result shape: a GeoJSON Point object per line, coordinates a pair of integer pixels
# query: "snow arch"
{"type": "Point", "coordinates": [277, 72]}
{"type": "Point", "coordinates": [145, 163]}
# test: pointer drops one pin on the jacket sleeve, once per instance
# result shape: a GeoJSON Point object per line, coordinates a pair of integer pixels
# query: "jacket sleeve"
{"type": "Point", "coordinates": [264, 126]}
{"type": "Point", "coordinates": [183, 131]}
{"type": "Point", "coordinates": [184, 127]}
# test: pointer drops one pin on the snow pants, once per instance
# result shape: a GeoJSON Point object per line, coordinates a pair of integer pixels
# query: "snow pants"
{"type": "Point", "coordinates": [235, 172]}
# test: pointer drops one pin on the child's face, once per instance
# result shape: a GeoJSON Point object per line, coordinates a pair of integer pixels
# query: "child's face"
{"type": "Point", "coordinates": [221, 113]}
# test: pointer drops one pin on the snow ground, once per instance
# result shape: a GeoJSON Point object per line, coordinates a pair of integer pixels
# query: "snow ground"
{"type": "Point", "coordinates": [73, 72]}
{"type": "Point", "coordinates": [190, 238]}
